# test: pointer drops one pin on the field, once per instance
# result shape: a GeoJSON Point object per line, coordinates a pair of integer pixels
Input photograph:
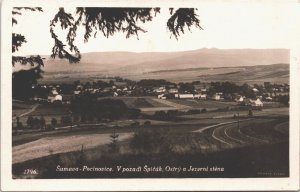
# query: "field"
{"type": "Point", "coordinates": [255, 139]}
{"type": "Point", "coordinates": [38, 110]}
{"type": "Point", "coordinates": [215, 137]}
{"type": "Point", "coordinates": [277, 73]}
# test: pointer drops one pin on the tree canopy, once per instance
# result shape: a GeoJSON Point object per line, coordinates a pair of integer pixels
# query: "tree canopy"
{"type": "Point", "coordinates": [108, 21]}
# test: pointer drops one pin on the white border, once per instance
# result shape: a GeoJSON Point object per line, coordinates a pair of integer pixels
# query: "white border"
{"type": "Point", "coordinates": [8, 184]}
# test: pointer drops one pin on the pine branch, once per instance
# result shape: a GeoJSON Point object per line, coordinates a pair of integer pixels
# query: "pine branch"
{"type": "Point", "coordinates": [17, 41]}
{"type": "Point", "coordinates": [183, 17]}
{"type": "Point", "coordinates": [60, 51]}
{"type": "Point", "coordinates": [32, 60]}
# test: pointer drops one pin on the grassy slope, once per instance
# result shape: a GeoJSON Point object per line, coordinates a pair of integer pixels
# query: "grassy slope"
{"type": "Point", "coordinates": [247, 161]}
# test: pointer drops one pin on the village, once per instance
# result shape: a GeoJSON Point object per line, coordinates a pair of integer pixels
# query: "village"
{"type": "Point", "coordinates": [247, 95]}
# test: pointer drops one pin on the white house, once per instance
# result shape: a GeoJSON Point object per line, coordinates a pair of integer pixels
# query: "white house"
{"type": "Point", "coordinates": [161, 96]}
{"type": "Point", "coordinates": [257, 103]}
{"type": "Point", "coordinates": [203, 90]}
{"type": "Point", "coordinates": [160, 90]}
{"type": "Point", "coordinates": [200, 96]}
{"type": "Point", "coordinates": [173, 90]}
{"type": "Point", "coordinates": [203, 96]}
{"type": "Point", "coordinates": [240, 99]}
{"type": "Point", "coordinates": [216, 97]}
{"type": "Point", "coordinates": [54, 92]}
{"type": "Point", "coordinates": [52, 98]}
{"type": "Point", "coordinates": [186, 96]}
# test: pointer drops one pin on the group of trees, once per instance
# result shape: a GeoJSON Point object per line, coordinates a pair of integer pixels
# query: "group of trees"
{"type": "Point", "coordinates": [229, 88]}
{"type": "Point", "coordinates": [36, 123]}
{"type": "Point", "coordinates": [172, 115]}
{"type": "Point", "coordinates": [153, 83]}
{"type": "Point", "coordinates": [87, 105]}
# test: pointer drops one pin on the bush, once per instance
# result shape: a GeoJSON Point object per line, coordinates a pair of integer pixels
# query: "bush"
{"type": "Point", "coordinates": [160, 115]}
{"type": "Point", "coordinates": [30, 121]}
{"type": "Point", "coordinates": [54, 122]}
{"type": "Point", "coordinates": [19, 125]}
{"type": "Point", "coordinates": [135, 124]}
{"type": "Point", "coordinates": [147, 123]}
{"type": "Point", "coordinates": [203, 110]}
{"type": "Point", "coordinates": [171, 114]}
{"type": "Point", "coordinates": [66, 120]}
{"type": "Point", "coordinates": [151, 141]}
{"type": "Point", "coordinates": [49, 128]}
{"type": "Point", "coordinates": [193, 111]}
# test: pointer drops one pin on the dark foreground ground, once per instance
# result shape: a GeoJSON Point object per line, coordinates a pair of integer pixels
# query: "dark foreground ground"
{"type": "Point", "coordinates": [261, 161]}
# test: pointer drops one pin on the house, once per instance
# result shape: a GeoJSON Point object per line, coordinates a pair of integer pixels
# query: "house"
{"type": "Point", "coordinates": [162, 96]}
{"type": "Point", "coordinates": [52, 98]}
{"type": "Point", "coordinates": [200, 96]}
{"type": "Point", "coordinates": [173, 90]}
{"type": "Point", "coordinates": [216, 97]}
{"type": "Point", "coordinates": [186, 96]}
{"type": "Point", "coordinates": [256, 103]}
{"type": "Point", "coordinates": [54, 92]}
{"type": "Point", "coordinates": [269, 98]}
{"type": "Point", "coordinates": [160, 90]}
{"type": "Point", "coordinates": [203, 96]}
{"type": "Point", "coordinates": [240, 99]}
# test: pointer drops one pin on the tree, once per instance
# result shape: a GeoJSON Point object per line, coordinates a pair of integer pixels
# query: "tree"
{"type": "Point", "coordinates": [42, 123]}
{"type": "Point", "coordinates": [250, 113]}
{"type": "Point", "coordinates": [147, 123]}
{"type": "Point", "coordinates": [186, 88]}
{"type": "Point", "coordinates": [22, 80]}
{"type": "Point", "coordinates": [30, 121]}
{"type": "Point", "coordinates": [54, 122]}
{"type": "Point", "coordinates": [113, 145]}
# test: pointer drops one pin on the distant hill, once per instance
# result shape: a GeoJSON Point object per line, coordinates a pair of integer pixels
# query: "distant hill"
{"type": "Point", "coordinates": [204, 64]}
{"type": "Point", "coordinates": [132, 63]}
{"type": "Point", "coordinates": [261, 73]}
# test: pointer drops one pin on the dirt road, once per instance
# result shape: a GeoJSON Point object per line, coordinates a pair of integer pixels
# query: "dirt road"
{"type": "Point", "coordinates": [53, 145]}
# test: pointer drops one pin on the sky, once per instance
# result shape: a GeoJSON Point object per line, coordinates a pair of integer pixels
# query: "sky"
{"type": "Point", "coordinates": [225, 26]}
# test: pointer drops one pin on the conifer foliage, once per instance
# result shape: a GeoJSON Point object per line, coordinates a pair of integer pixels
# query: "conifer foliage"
{"type": "Point", "coordinates": [108, 21]}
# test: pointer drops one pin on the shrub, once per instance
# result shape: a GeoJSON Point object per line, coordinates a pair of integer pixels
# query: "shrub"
{"type": "Point", "coordinates": [147, 123]}
{"type": "Point", "coordinates": [66, 120]}
{"type": "Point", "coordinates": [193, 111]}
{"type": "Point", "coordinates": [203, 110]}
{"type": "Point", "coordinates": [135, 124]}
{"type": "Point", "coordinates": [30, 121]}
{"type": "Point", "coordinates": [160, 115]}
{"type": "Point", "coordinates": [54, 122]}
{"type": "Point", "coordinates": [151, 141]}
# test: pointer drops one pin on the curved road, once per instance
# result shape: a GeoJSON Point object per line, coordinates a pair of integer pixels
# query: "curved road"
{"type": "Point", "coordinates": [233, 135]}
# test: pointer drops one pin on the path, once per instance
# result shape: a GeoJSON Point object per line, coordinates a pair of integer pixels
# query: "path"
{"type": "Point", "coordinates": [54, 145]}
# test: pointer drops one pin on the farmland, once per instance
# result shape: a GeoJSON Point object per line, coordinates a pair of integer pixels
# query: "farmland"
{"type": "Point", "coordinates": [208, 133]}
{"type": "Point", "coordinates": [248, 74]}
{"type": "Point", "coordinates": [198, 137]}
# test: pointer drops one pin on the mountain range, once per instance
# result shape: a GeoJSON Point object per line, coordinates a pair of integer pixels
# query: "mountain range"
{"type": "Point", "coordinates": [191, 64]}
